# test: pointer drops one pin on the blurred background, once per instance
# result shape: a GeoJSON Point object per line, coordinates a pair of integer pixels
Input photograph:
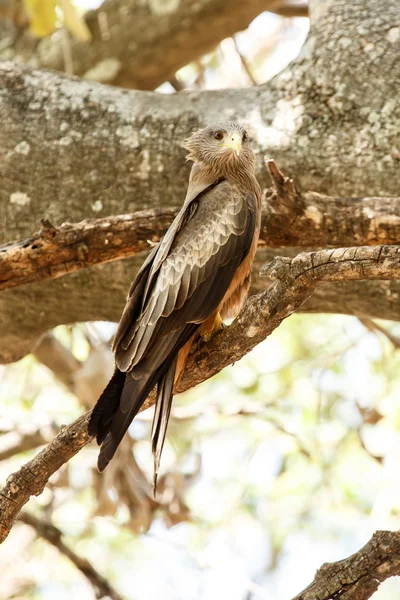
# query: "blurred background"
{"type": "Point", "coordinates": [282, 462]}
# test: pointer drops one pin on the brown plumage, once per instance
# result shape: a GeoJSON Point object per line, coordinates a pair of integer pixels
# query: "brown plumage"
{"type": "Point", "coordinates": [197, 275]}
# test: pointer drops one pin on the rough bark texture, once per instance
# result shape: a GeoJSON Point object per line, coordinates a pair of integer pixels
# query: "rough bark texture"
{"type": "Point", "coordinates": [56, 251]}
{"type": "Point", "coordinates": [72, 149]}
{"type": "Point", "coordinates": [294, 281]}
{"type": "Point", "coordinates": [289, 218]}
{"type": "Point", "coordinates": [358, 576]}
{"type": "Point", "coordinates": [31, 479]}
{"type": "Point", "coordinates": [142, 44]}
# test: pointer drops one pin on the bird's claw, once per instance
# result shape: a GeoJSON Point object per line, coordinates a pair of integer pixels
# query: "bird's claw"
{"type": "Point", "coordinates": [206, 337]}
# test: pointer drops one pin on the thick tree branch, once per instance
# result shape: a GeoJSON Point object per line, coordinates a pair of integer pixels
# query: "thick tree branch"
{"type": "Point", "coordinates": [102, 588]}
{"type": "Point", "coordinates": [358, 576]}
{"type": "Point", "coordinates": [293, 218]}
{"type": "Point", "coordinates": [290, 218]}
{"type": "Point", "coordinates": [56, 251]}
{"type": "Point", "coordinates": [141, 45]}
{"type": "Point", "coordinates": [331, 120]}
{"type": "Point", "coordinates": [295, 280]}
{"type": "Point", "coordinates": [56, 357]}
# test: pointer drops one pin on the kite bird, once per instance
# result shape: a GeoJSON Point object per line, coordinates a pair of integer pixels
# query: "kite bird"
{"type": "Point", "coordinates": [194, 278]}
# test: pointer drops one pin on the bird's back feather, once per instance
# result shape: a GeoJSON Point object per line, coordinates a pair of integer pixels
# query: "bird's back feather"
{"type": "Point", "coordinates": [180, 285]}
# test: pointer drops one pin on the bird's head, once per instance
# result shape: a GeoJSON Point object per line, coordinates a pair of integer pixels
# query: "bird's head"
{"type": "Point", "coordinates": [222, 146]}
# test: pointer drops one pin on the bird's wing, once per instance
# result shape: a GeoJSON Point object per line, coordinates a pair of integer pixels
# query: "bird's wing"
{"type": "Point", "coordinates": [192, 279]}
{"type": "Point", "coordinates": [215, 236]}
{"type": "Point", "coordinates": [146, 275]}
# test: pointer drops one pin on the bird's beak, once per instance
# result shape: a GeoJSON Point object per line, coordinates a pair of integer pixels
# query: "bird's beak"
{"type": "Point", "coordinates": [234, 143]}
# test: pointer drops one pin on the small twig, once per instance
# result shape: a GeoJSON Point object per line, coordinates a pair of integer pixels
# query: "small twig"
{"type": "Point", "coordinates": [176, 84]}
{"type": "Point", "coordinates": [286, 192]}
{"type": "Point", "coordinates": [53, 535]}
{"type": "Point", "coordinates": [66, 46]}
{"type": "Point", "coordinates": [244, 62]}
{"type": "Point", "coordinates": [17, 441]}
{"type": "Point", "coordinates": [373, 326]}
{"type": "Point", "coordinates": [290, 8]}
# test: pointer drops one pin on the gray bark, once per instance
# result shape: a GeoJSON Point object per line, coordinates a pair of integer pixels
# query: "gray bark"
{"type": "Point", "coordinates": [293, 282]}
{"type": "Point", "coordinates": [73, 149]}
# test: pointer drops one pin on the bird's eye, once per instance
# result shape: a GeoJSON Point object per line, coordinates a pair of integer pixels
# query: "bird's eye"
{"type": "Point", "coordinates": [245, 137]}
{"type": "Point", "coordinates": [219, 135]}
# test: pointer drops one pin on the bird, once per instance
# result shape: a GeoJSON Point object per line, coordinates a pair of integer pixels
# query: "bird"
{"type": "Point", "coordinates": [194, 279]}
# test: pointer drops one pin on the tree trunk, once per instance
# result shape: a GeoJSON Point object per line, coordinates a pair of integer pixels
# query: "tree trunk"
{"type": "Point", "coordinates": [142, 44]}
{"type": "Point", "coordinates": [73, 149]}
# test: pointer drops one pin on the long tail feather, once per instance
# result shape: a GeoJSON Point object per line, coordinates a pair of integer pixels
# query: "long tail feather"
{"type": "Point", "coordinates": [137, 390]}
{"type": "Point", "coordinates": [106, 406]}
{"type": "Point", "coordinates": [161, 417]}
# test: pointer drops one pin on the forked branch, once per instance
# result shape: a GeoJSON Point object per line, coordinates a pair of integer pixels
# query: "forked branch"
{"type": "Point", "coordinates": [46, 530]}
{"type": "Point", "coordinates": [295, 280]}
{"type": "Point", "coordinates": [290, 218]}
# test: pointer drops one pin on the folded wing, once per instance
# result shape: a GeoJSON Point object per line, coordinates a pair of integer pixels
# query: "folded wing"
{"type": "Point", "coordinates": [168, 303]}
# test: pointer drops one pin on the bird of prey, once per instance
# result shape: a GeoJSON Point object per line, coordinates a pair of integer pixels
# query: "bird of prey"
{"type": "Point", "coordinates": [194, 278]}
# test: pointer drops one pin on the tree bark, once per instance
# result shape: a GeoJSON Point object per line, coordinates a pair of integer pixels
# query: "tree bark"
{"type": "Point", "coordinates": [294, 280]}
{"type": "Point", "coordinates": [142, 44]}
{"type": "Point", "coordinates": [73, 149]}
{"type": "Point", "coordinates": [358, 576]}
{"type": "Point", "coordinates": [289, 217]}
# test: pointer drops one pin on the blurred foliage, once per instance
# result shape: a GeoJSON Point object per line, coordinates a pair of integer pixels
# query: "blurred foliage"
{"type": "Point", "coordinates": [45, 16]}
{"type": "Point", "coordinates": [42, 16]}
{"type": "Point", "coordinates": [286, 460]}
{"type": "Point", "coordinates": [294, 449]}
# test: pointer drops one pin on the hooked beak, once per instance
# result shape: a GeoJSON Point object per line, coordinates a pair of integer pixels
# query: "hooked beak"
{"type": "Point", "coordinates": [234, 143]}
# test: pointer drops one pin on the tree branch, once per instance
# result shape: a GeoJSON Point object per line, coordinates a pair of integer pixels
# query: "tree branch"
{"type": "Point", "coordinates": [372, 326]}
{"type": "Point", "coordinates": [295, 280]}
{"type": "Point", "coordinates": [53, 535]}
{"type": "Point", "coordinates": [296, 8]}
{"type": "Point", "coordinates": [56, 251]}
{"type": "Point", "coordinates": [146, 43]}
{"type": "Point", "coordinates": [330, 119]}
{"type": "Point", "coordinates": [358, 576]}
{"type": "Point", "coordinates": [290, 218]}
{"type": "Point", "coordinates": [56, 357]}
{"type": "Point", "coordinates": [31, 479]}
{"type": "Point", "coordinates": [21, 440]}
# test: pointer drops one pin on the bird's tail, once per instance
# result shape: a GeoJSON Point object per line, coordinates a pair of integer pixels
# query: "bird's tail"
{"type": "Point", "coordinates": [106, 407]}
{"type": "Point", "coordinates": [161, 416]}
{"type": "Point", "coordinates": [117, 407]}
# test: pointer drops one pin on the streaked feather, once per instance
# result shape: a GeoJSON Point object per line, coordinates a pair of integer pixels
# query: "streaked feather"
{"type": "Point", "coordinates": [180, 286]}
